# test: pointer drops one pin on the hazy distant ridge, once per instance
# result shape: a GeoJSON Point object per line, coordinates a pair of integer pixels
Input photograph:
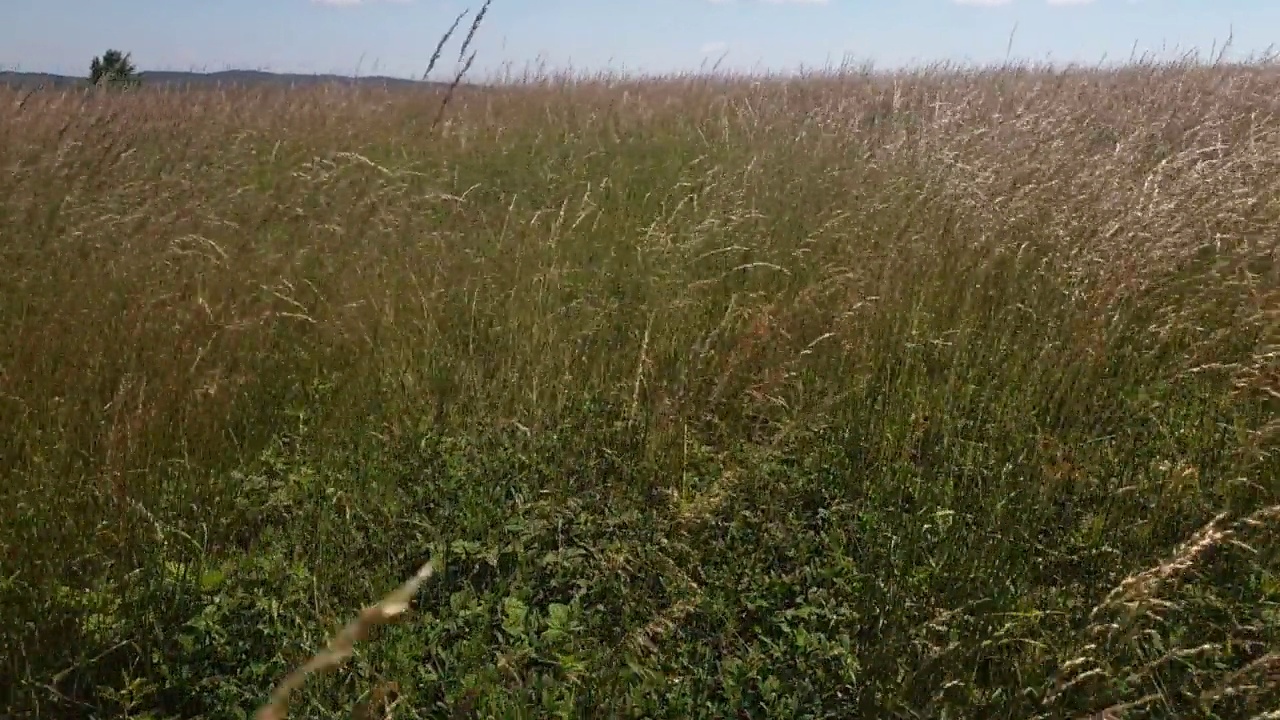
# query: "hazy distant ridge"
{"type": "Point", "coordinates": [224, 77]}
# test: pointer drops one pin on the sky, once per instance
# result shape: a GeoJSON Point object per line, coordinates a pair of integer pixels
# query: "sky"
{"type": "Point", "coordinates": [396, 37]}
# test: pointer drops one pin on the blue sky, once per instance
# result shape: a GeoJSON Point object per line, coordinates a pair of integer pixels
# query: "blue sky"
{"type": "Point", "coordinates": [396, 37]}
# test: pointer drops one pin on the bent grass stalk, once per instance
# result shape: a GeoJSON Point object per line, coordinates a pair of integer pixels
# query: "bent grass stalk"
{"type": "Point", "coordinates": [341, 647]}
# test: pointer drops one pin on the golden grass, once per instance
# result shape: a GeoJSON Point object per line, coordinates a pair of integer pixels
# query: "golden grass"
{"type": "Point", "coordinates": [943, 391]}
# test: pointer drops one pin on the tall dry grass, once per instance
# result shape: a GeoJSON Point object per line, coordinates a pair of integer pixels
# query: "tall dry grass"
{"type": "Point", "coordinates": [846, 394]}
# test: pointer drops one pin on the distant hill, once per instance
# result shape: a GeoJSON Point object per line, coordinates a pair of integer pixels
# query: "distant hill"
{"type": "Point", "coordinates": [223, 78]}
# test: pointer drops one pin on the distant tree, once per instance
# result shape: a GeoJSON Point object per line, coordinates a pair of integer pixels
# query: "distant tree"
{"type": "Point", "coordinates": [113, 68]}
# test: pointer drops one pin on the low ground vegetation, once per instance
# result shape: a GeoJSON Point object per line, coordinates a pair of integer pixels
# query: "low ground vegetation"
{"type": "Point", "coordinates": [945, 394]}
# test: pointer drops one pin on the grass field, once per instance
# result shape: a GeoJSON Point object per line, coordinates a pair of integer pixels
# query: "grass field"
{"type": "Point", "coordinates": [943, 394]}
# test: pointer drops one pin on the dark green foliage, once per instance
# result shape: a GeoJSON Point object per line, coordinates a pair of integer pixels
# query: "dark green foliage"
{"type": "Point", "coordinates": [113, 68]}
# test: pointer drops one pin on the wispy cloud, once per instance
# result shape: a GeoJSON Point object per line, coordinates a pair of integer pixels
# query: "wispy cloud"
{"type": "Point", "coordinates": [715, 47]}
{"type": "Point", "coordinates": [772, 2]}
{"type": "Point", "coordinates": [353, 3]}
{"type": "Point", "coordinates": [997, 3]}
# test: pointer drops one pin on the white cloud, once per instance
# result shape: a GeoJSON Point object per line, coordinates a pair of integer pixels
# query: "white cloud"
{"type": "Point", "coordinates": [353, 3]}
{"type": "Point", "coordinates": [997, 3]}
{"type": "Point", "coordinates": [775, 2]}
{"type": "Point", "coordinates": [714, 47]}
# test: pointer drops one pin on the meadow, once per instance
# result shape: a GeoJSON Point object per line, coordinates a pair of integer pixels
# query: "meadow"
{"type": "Point", "coordinates": [942, 393]}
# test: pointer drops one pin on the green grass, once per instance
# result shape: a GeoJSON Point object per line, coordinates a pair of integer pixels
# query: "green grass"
{"type": "Point", "coordinates": [945, 395]}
